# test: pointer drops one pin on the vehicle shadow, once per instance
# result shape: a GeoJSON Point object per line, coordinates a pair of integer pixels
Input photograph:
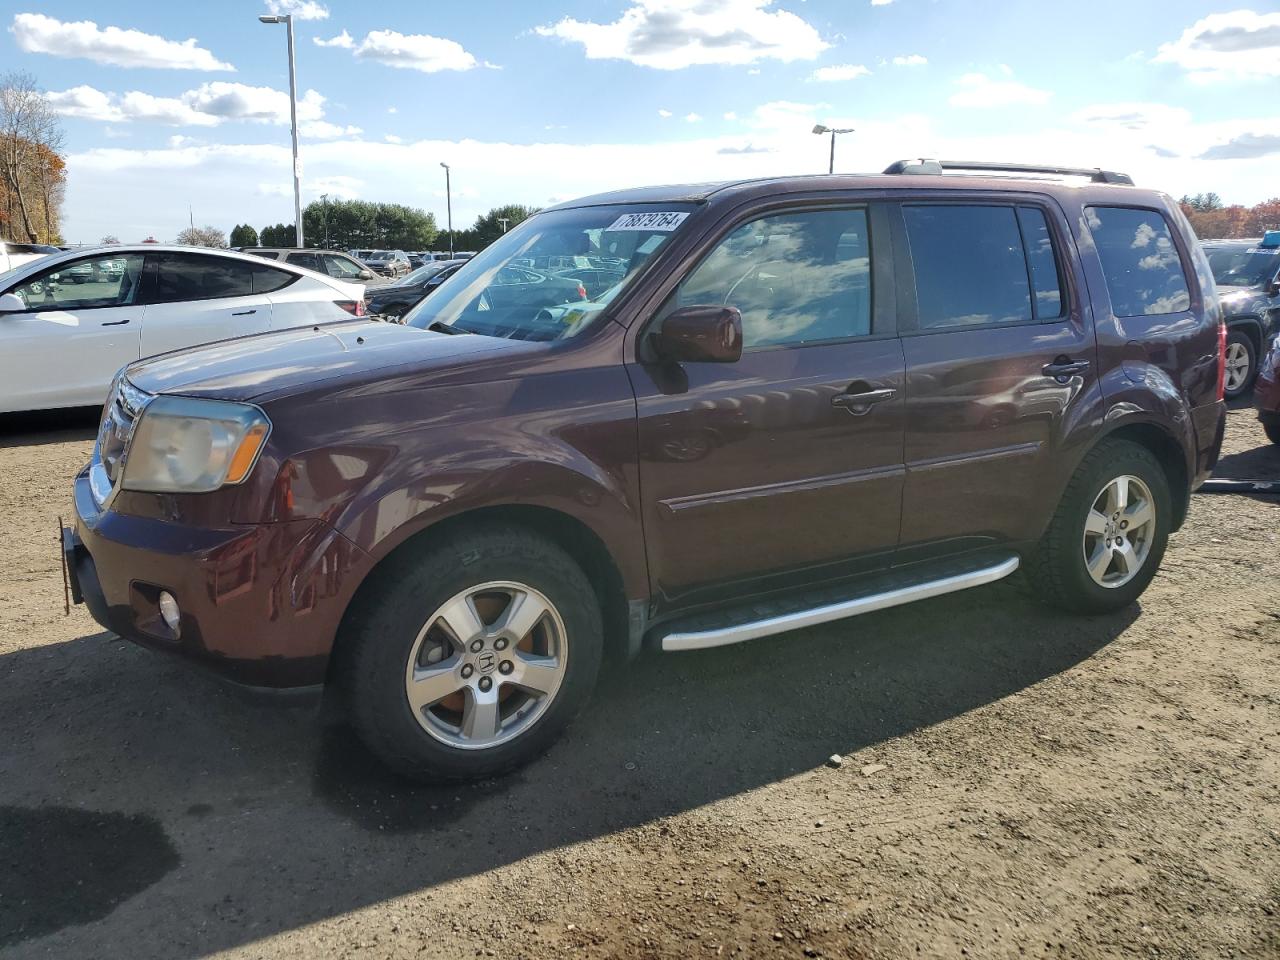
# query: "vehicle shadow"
{"type": "Point", "coordinates": [48, 426]}
{"type": "Point", "coordinates": [236, 822]}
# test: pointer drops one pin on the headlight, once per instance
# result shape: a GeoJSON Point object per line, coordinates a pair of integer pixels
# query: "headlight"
{"type": "Point", "coordinates": [183, 445]}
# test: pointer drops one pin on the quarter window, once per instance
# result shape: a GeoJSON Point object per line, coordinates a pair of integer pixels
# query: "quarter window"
{"type": "Point", "coordinates": [185, 277]}
{"type": "Point", "coordinates": [107, 281]}
{"type": "Point", "coordinates": [800, 277]}
{"type": "Point", "coordinates": [1046, 280]}
{"type": "Point", "coordinates": [269, 279]}
{"type": "Point", "coordinates": [969, 264]}
{"type": "Point", "coordinates": [1139, 260]}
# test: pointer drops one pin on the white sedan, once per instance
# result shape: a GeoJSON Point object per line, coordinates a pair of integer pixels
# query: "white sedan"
{"type": "Point", "coordinates": [69, 321]}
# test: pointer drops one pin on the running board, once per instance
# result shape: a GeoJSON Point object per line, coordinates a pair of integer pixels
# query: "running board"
{"type": "Point", "coordinates": [799, 619]}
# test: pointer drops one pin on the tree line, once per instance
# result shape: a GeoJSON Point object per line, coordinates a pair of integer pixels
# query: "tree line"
{"type": "Point", "coordinates": [33, 173]}
{"type": "Point", "coordinates": [364, 225]}
{"type": "Point", "coordinates": [1214, 220]}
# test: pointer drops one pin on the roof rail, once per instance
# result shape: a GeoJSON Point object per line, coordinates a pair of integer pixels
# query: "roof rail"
{"type": "Point", "coordinates": [937, 167]}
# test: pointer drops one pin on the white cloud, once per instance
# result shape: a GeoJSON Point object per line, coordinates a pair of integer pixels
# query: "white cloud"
{"type": "Point", "coordinates": [36, 33]}
{"type": "Point", "coordinates": [414, 51]}
{"type": "Point", "coordinates": [693, 118]}
{"type": "Point", "coordinates": [672, 34]}
{"type": "Point", "coordinates": [979, 90]}
{"type": "Point", "coordinates": [208, 105]}
{"type": "Point", "coordinates": [1144, 118]}
{"type": "Point", "coordinates": [343, 40]}
{"type": "Point", "coordinates": [840, 72]}
{"type": "Point", "coordinates": [299, 9]}
{"type": "Point", "coordinates": [910, 60]}
{"type": "Point", "coordinates": [881, 3]}
{"type": "Point", "coordinates": [730, 115]}
{"type": "Point", "coordinates": [664, 114]}
{"type": "Point", "coordinates": [1240, 45]}
{"type": "Point", "coordinates": [392, 138]}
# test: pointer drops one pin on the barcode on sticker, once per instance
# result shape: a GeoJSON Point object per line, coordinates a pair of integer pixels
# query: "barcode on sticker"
{"type": "Point", "coordinates": [648, 221]}
{"type": "Point", "coordinates": [1271, 251]}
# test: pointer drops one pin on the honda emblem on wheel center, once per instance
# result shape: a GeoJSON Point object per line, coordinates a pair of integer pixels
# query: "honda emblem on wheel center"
{"type": "Point", "coordinates": [486, 661]}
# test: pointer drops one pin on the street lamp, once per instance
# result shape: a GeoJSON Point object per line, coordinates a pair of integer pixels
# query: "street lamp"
{"type": "Point", "coordinates": [448, 203]}
{"type": "Point", "coordinates": [504, 221]}
{"type": "Point", "coordinates": [820, 129]}
{"type": "Point", "coordinates": [287, 20]}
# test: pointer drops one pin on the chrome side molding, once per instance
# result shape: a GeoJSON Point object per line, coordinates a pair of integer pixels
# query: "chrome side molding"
{"type": "Point", "coordinates": [702, 639]}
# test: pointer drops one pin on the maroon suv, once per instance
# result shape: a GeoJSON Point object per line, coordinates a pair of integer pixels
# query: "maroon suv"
{"type": "Point", "coordinates": [798, 400]}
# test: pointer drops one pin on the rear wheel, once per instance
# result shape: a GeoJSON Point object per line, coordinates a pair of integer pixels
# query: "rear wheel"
{"type": "Point", "coordinates": [1242, 364]}
{"type": "Point", "coordinates": [1108, 536]}
{"type": "Point", "coordinates": [472, 657]}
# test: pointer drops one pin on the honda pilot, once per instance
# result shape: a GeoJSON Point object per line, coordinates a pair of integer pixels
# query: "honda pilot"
{"type": "Point", "coordinates": [801, 399]}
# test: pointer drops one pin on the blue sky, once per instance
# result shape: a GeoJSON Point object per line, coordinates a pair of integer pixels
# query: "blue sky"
{"type": "Point", "coordinates": [167, 105]}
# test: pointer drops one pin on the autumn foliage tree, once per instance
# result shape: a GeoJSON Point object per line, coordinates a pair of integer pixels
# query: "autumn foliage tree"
{"type": "Point", "coordinates": [33, 174]}
{"type": "Point", "coordinates": [1214, 220]}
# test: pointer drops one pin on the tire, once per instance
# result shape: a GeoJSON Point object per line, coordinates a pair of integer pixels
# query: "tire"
{"type": "Point", "coordinates": [1058, 572]}
{"type": "Point", "coordinates": [1241, 350]}
{"type": "Point", "coordinates": [396, 634]}
{"type": "Point", "coordinates": [1272, 430]}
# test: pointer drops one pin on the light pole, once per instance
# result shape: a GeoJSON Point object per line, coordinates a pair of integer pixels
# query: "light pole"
{"type": "Point", "coordinates": [820, 129]}
{"type": "Point", "coordinates": [504, 221]}
{"type": "Point", "coordinates": [324, 199]}
{"type": "Point", "coordinates": [287, 20]}
{"type": "Point", "coordinates": [448, 205]}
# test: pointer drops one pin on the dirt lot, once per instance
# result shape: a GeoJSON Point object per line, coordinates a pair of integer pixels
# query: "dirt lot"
{"type": "Point", "coordinates": [1014, 783]}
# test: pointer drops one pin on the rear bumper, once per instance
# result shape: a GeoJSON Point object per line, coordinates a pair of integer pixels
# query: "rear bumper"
{"type": "Point", "coordinates": [1210, 424]}
{"type": "Point", "coordinates": [260, 604]}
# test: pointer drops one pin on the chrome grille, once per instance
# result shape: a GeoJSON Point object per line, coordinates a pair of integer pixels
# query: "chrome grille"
{"type": "Point", "coordinates": [118, 419]}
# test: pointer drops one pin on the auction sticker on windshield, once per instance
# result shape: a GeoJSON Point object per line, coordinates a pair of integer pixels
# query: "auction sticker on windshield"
{"type": "Point", "coordinates": [648, 221]}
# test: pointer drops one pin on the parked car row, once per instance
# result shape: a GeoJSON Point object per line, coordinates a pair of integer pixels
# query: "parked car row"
{"type": "Point", "coordinates": [796, 400]}
{"type": "Point", "coordinates": [1247, 275]}
{"type": "Point", "coordinates": [69, 321]}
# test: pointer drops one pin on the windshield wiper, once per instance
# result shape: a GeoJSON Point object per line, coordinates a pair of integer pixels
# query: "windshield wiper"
{"type": "Point", "coordinates": [440, 327]}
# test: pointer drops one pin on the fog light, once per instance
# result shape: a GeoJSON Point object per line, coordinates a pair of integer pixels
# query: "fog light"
{"type": "Point", "coordinates": [169, 611]}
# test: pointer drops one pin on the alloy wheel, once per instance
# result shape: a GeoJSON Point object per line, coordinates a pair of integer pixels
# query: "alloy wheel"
{"type": "Point", "coordinates": [1237, 366]}
{"type": "Point", "coordinates": [486, 665]}
{"type": "Point", "coordinates": [1119, 531]}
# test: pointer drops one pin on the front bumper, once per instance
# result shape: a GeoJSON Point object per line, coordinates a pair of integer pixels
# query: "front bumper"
{"type": "Point", "coordinates": [260, 603]}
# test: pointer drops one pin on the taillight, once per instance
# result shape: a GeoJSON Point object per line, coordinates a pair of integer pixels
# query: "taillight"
{"type": "Point", "coordinates": [582, 292]}
{"type": "Point", "coordinates": [353, 307]}
{"type": "Point", "coordinates": [1222, 359]}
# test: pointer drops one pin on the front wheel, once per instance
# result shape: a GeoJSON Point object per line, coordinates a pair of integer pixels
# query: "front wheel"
{"type": "Point", "coordinates": [1242, 364]}
{"type": "Point", "coordinates": [1106, 540]}
{"type": "Point", "coordinates": [473, 656]}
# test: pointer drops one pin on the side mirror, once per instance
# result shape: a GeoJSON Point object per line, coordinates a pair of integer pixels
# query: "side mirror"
{"type": "Point", "coordinates": [11, 303]}
{"type": "Point", "coordinates": [1273, 288]}
{"type": "Point", "coordinates": [701, 334]}
{"type": "Point", "coordinates": [366, 274]}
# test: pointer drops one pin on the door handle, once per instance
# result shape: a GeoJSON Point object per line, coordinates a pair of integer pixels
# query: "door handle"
{"type": "Point", "coordinates": [1064, 368]}
{"type": "Point", "coordinates": [860, 404]}
{"type": "Point", "coordinates": [115, 323]}
{"type": "Point", "coordinates": [243, 313]}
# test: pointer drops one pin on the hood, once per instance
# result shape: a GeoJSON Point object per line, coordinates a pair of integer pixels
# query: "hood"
{"type": "Point", "coordinates": [287, 361]}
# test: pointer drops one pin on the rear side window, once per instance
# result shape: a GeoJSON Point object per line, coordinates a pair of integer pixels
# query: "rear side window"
{"type": "Point", "coordinates": [969, 264]}
{"type": "Point", "coordinates": [1139, 260]}
{"type": "Point", "coordinates": [308, 260]}
{"type": "Point", "coordinates": [800, 277]}
{"type": "Point", "coordinates": [192, 277]}
{"type": "Point", "coordinates": [1046, 279]}
{"type": "Point", "coordinates": [269, 279]}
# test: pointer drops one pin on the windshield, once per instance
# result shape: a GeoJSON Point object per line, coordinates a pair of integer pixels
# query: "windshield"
{"type": "Point", "coordinates": [553, 274]}
{"type": "Point", "coordinates": [380, 255]}
{"type": "Point", "coordinates": [1243, 264]}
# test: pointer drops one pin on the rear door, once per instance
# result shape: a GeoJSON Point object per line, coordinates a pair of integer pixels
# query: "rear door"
{"type": "Point", "coordinates": [66, 347]}
{"type": "Point", "coordinates": [198, 298]}
{"type": "Point", "coordinates": [999, 351]}
{"type": "Point", "coordinates": [762, 472]}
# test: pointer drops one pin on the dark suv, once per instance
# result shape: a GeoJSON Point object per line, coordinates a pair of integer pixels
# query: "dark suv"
{"type": "Point", "coordinates": [1247, 273]}
{"type": "Point", "coordinates": [803, 399]}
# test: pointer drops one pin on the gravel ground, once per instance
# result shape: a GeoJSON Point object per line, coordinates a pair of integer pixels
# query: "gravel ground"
{"type": "Point", "coordinates": [1011, 783]}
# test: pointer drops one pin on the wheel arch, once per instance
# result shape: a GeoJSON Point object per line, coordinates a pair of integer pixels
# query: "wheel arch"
{"type": "Point", "coordinates": [1168, 452]}
{"type": "Point", "coordinates": [1250, 324]}
{"type": "Point", "coordinates": [569, 533]}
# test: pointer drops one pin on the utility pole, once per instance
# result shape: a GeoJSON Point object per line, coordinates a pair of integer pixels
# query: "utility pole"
{"type": "Point", "coordinates": [287, 20]}
{"type": "Point", "coordinates": [324, 200]}
{"type": "Point", "coordinates": [448, 203]}
{"type": "Point", "coordinates": [504, 221]}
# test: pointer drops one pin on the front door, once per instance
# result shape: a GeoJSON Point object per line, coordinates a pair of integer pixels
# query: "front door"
{"type": "Point", "coordinates": [81, 325]}
{"type": "Point", "coordinates": [766, 471]}
{"type": "Point", "coordinates": [999, 351]}
{"type": "Point", "coordinates": [196, 298]}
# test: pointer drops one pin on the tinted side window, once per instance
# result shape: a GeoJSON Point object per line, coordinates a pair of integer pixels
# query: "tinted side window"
{"type": "Point", "coordinates": [1045, 276]}
{"type": "Point", "coordinates": [186, 277]}
{"type": "Point", "coordinates": [342, 267]}
{"type": "Point", "coordinates": [969, 265]}
{"type": "Point", "coordinates": [269, 279]}
{"type": "Point", "coordinates": [307, 260]}
{"type": "Point", "coordinates": [797, 277]}
{"type": "Point", "coordinates": [1139, 260]}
